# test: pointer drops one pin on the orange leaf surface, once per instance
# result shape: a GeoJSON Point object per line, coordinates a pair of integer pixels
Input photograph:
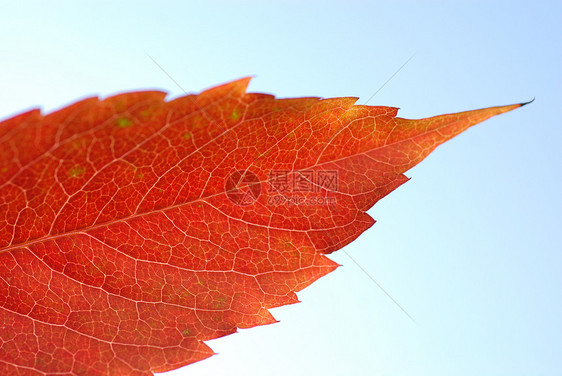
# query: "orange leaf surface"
{"type": "Point", "coordinates": [134, 229]}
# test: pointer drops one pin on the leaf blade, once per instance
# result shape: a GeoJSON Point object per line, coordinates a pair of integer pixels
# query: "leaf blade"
{"type": "Point", "coordinates": [122, 244]}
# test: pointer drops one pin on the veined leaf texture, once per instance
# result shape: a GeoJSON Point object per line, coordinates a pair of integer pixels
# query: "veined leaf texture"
{"type": "Point", "coordinates": [133, 229]}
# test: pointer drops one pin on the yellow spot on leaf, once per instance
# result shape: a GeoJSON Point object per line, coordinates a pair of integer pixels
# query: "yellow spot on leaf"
{"type": "Point", "coordinates": [76, 171]}
{"type": "Point", "coordinates": [187, 136]}
{"type": "Point", "coordinates": [220, 303]}
{"type": "Point", "coordinates": [79, 144]}
{"type": "Point", "coordinates": [235, 114]}
{"type": "Point", "coordinates": [135, 171]}
{"type": "Point", "coordinates": [124, 122]}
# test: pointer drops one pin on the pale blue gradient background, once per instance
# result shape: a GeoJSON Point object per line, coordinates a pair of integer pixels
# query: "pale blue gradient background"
{"type": "Point", "coordinates": [470, 247]}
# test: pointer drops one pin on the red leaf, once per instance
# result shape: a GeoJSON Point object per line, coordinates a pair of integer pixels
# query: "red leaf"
{"type": "Point", "coordinates": [133, 229]}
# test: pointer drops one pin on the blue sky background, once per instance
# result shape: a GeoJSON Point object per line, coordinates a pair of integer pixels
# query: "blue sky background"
{"type": "Point", "coordinates": [470, 246]}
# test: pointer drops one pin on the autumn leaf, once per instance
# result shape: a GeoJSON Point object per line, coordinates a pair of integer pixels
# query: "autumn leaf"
{"type": "Point", "coordinates": [134, 229]}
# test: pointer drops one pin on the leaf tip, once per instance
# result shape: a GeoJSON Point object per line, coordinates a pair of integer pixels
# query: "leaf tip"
{"type": "Point", "coordinates": [241, 84]}
{"type": "Point", "coordinates": [526, 103]}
